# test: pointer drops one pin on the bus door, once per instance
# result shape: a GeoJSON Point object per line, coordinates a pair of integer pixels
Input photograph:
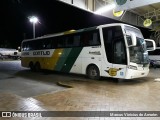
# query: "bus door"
{"type": "Point", "coordinates": [115, 51]}
{"type": "Point", "coordinates": [119, 59]}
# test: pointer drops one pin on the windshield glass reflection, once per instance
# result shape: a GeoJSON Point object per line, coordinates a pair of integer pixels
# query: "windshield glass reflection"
{"type": "Point", "coordinates": [138, 53]}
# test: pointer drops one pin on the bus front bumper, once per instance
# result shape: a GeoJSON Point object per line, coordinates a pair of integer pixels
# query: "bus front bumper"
{"type": "Point", "coordinates": [131, 73]}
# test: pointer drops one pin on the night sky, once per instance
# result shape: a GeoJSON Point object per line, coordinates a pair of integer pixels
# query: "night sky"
{"type": "Point", "coordinates": [54, 17]}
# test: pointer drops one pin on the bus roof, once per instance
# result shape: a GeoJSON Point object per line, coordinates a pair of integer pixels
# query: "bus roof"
{"type": "Point", "coordinates": [79, 30]}
{"type": "Point", "coordinates": [115, 24]}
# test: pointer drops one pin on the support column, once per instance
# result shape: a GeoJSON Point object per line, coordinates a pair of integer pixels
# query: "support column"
{"type": "Point", "coordinates": [90, 5]}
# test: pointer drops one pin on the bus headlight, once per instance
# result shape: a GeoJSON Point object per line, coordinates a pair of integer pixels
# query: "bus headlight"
{"type": "Point", "coordinates": [132, 67]}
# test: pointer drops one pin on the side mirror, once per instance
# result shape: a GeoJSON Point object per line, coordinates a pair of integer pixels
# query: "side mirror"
{"type": "Point", "coordinates": [151, 46]}
{"type": "Point", "coordinates": [131, 40]}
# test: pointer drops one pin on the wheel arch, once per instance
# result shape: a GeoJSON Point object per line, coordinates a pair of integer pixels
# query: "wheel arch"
{"type": "Point", "coordinates": [37, 66]}
{"type": "Point", "coordinates": [93, 64]}
{"type": "Point", "coordinates": [30, 63]}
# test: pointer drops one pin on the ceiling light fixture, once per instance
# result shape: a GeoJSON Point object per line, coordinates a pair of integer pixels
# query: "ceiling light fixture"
{"type": "Point", "coordinates": [105, 8]}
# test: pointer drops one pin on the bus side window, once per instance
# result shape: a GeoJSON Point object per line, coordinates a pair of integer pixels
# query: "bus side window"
{"type": "Point", "coordinates": [68, 41]}
{"type": "Point", "coordinates": [60, 42]}
{"type": "Point", "coordinates": [54, 43]}
{"type": "Point", "coordinates": [76, 41]}
{"type": "Point", "coordinates": [32, 45]}
{"type": "Point", "coordinates": [72, 41]}
{"type": "Point", "coordinates": [29, 46]}
{"type": "Point", "coordinates": [37, 45]}
{"type": "Point", "coordinates": [57, 42]}
{"type": "Point", "coordinates": [90, 38]}
{"type": "Point", "coordinates": [47, 43]}
{"type": "Point", "coordinates": [24, 46]}
{"type": "Point", "coordinates": [95, 39]}
{"type": "Point", "coordinates": [85, 39]}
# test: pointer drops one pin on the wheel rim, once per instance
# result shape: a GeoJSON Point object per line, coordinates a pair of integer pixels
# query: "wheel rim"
{"type": "Point", "coordinates": [93, 72]}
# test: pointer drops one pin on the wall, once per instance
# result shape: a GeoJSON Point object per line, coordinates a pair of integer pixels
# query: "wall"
{"type": "Point", "coordinates": [78, 3]}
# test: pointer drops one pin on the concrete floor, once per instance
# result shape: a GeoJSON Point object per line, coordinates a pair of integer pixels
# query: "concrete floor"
{"type": "Point", "coordinates": [141, 94]}
{"type": "Point", "coordinates": [22, 82]}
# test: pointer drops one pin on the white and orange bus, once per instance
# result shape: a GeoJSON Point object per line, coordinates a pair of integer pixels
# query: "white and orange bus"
{"type": "Point", "coordinates": [112, 50]}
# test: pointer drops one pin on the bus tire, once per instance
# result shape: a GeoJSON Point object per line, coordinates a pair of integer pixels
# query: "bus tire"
{"type": "Point", "coordinates": [37, 67]}
{"type": "Point", "coordinates": [31, 66]}
{"type": "Point", "coordinates": [93, 72]}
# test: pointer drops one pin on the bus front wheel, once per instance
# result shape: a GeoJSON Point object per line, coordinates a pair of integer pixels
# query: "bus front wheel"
{"type": "Point", "coordinates": [93, 72]}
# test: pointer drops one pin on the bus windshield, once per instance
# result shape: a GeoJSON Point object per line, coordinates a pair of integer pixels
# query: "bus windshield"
{"type": "Point", "coordinates": [138, 53]}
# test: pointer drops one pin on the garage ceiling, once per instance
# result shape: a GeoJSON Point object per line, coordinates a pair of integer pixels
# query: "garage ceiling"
{"type": "Point", "coordinates": [150, 11]}
{"type": "Point", "coordinates": [137, 12]}
{"type": "Point", "coordinates": [145, 9]}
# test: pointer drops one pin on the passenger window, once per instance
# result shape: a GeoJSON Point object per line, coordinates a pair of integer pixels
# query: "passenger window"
{"type": "Point", "coordinates": [46, 44]}
{"type": "Point", "coordinates": [85, 39]}
{"type": "Point", "coordinates": [90, 38]}
{"type": "Point", "coordinates": [69, 41]}
{"type": "Point", "coordinates": [76, 40]}
{"type": "Point", "coordinates": [95, 40]}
